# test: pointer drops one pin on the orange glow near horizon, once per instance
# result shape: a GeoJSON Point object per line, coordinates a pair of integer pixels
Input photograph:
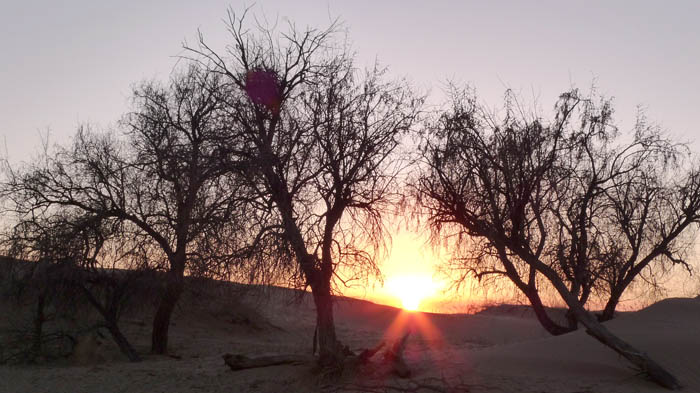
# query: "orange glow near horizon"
{"type": "Point", "coordinates": [409, 272]}
{"type": "Point", "coordinates": [413, 281]}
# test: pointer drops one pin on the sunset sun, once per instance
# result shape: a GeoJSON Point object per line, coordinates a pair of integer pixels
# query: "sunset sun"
{"type": "Point", "coordinates": [411, 290]}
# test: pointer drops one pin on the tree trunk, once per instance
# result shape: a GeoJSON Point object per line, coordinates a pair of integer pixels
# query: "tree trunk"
{"type": "Point", "coordinates": [110, 315]}
{"type": "Point", "coordinates": [571, 320]}
{"type": "Point", "coordinates": [329, 349]}
{"type": "Point", "coordinates": [122, 342]}
{"type": "Point", "coordinates": [39, 319]}
{"type": "Point", "coordinates": [161, 321]}
{"type": "Point", "coordinates": [609, 310]}
{"type": "Point", "coordinates": [547, 323]}
{"type": "Point", "coordinates": [638, 358]}
{"type": "Point", "coordinates": [597, 330]}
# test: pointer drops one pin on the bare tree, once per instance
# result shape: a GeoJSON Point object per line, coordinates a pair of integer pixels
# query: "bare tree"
{"type": "Point", "coordinates": [78, 259]}
{"type": "Point", "coordinates": [43, 289]}
{"type": "Point", "coordinates": [165, 177]}
{"type": "Point", "coordinates": [320, 138]}
{"type": "Point", "coordinates": [558, 204]}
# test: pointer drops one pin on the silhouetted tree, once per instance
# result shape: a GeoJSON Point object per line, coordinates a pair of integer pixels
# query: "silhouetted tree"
{"type": "Point", "coordinates": [165, 177]}
{"type": "Point", "coordinates": [320, 138]}
{"type": "Point", "coordinates": [70, 259]}
{"type": "Point", "coordinates": [43, 289]}
{"type": "Point", "coordinates": [559, 204]}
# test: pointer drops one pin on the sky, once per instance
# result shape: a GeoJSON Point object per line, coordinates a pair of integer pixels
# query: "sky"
{"type": "Point", "coordinates": [65, 63]}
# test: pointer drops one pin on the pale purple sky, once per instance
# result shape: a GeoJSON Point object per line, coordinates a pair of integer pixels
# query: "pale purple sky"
{"type": "Point", "coordinates": [68, 62]}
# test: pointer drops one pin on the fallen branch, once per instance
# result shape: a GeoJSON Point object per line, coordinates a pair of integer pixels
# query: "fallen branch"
{"type": "Point", "coordinates": [241, 362]}
{"type": "Point", "coordinates": [393, 356]}
{"type": "Point", "coordinates": [368, 353]}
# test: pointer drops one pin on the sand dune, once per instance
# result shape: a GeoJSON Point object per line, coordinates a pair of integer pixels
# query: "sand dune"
{"type": "Point", "coordinates": [667, 331]}
{"type": "Point", "coordinates": [484, 353]}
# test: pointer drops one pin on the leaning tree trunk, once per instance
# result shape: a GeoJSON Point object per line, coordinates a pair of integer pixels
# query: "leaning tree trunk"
{"type": "Point", "coordinates": [110, 315]}
{"type": "Point", "coordinates": [602, 334]}
{"type": "Point", "coordinates": [122, 342]}
{"type": "Point", "coordinates": [161, 322]}
{"type": "Point", "coordinates": [637, 357]}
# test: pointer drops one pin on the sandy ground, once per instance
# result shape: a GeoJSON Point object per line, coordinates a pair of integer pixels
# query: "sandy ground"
{"type": "Point", "coordinates": [476, 353]}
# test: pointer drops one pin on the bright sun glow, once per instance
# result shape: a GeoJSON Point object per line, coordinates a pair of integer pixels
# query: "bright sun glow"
{"type": "Point", "coordinates": [411, 290]}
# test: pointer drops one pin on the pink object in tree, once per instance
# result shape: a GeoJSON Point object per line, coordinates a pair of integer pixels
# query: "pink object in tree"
{"type": "Point", "coordinates": [263, 89]}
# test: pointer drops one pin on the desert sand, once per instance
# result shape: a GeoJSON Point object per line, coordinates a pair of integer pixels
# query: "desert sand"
{"type": "Point", "coordinates": [489, 352]}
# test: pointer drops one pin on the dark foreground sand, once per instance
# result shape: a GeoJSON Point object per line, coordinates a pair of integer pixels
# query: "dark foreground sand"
{"type": "Point", "coordinates": [478, 353]}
